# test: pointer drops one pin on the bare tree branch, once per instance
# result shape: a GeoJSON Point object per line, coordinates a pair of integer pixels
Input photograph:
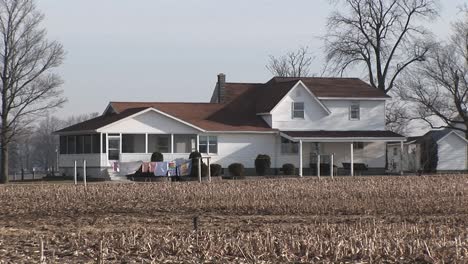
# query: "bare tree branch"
{"type": "Point", "coordinates": [293, 64]}
{"type": "Point", "coordinates": [439, 87]}
{"type": "Point", "coordinates": [379, 35]}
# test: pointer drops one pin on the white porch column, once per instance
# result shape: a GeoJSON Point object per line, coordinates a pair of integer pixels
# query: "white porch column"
{"type": "Point", "coordinates": [300, 158]}
{"type": "Point", "coordinates": [146, 144]}
{"type": "Point", "coordinates": [101, 141]}
{"type": "Point", "coordinates": [318, 165]}
{"type": "Point", "coordinates": [352, 159]}
{"type": "Point", "coordinates": [107, 146]}
{"type": "Point", "coordinates": [120, 148]}
{"type": "Point", "coordinates": [198, 142]}
{"type": "Point", "coordinates": [401, 157]}
{"type": "Point", "coordinates": [172, 143]}
{"type": "Point", "coordinates": [331, 164]}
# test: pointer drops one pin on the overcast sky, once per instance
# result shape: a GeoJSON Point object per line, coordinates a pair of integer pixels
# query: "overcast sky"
{"type": "Point", "coordinates": [154, 50]}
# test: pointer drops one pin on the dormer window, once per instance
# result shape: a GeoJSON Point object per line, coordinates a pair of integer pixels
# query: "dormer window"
{"type": "Point", "coordinates": [354, 111]}
{"type": "Point", "coordinates": [298, 110]}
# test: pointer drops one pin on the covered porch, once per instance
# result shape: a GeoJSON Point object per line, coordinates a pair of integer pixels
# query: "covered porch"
{"type": "Point", "coordinates": [342, 152]}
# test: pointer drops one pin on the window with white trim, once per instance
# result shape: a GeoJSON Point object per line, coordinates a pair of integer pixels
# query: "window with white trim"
{"type": "Point", "coordinates": [184, 143]}
{"type": "Point", "coordinates": [354, 111]}
{"type": "Point", "coordinates": [208, 144]}
{"type": "Point", "coordinates": [133, 143]}
{"type": "Point", "coordinates": [159, 143]}
{"type": "Point", "coordinates": [288, 146]}
{"type": "Point", "coordinates": [298, 110]}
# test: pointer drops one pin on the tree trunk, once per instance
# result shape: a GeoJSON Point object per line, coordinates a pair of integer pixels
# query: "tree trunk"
{"type": "Point", "coordinates": [4, 162]}
{"type": "Point", "coordinates": [466, 137]}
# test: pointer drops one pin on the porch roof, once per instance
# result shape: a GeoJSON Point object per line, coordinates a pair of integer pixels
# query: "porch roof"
{"type": "Point", "coordinates": [343, 136]}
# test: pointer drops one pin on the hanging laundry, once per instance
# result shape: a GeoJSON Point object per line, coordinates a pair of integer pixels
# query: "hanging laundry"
{"type": "Point", "coordinates": [127, 168]}
{"type": "Point", "coordinates": [185, 168]}
{"type": "Point", "coordinates": [115, 166]}
{"type": "Point", "coordinates": [151, 166]}
{"type": "Point", "coordinates": [161, 168]}
{"type": "Point", "coordinates": [145, 167]}
{"type": "Point", "coordinates": [172, 168]}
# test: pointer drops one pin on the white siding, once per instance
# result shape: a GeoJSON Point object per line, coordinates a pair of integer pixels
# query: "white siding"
{"type": "Point", "coordinates": [150, 122]}
{"type": "Point", "coordinates": [243, 148]}
{"type": "Point", "coordinates": [94, 163]}
{"type": "Point", "coordinates": [451, 153]}
{"type": "Point", "coordinates": [92, 160]}
{"type": "Point", "coordinates": [372, 114]}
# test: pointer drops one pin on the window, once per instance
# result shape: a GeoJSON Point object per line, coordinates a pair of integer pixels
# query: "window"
{"type": "Point", "coordinates": [63, 144]}
{"type": "Point", "coordinates": [184, 143]}
{"type": "Point", "coordinates": [71, 145]}
{"type": "Point", "coordinates": [358, 145]}
{"type": "Point", "coordinates": [133, 143]}
{"type": "Point", "coordinates": [96, 138]}
{"type": "Point", "coordinates": [354, 111]}
{"type": "Point", "coordinates": [79, 144]}
{"type": "Point", "coordinates": [114, 148]}
{"type": "Point", "coordinates": [297, 110]}
{"type": "Point", "coordinates": [289, 147]}
{"type": "Point", "coordinates": [104, 143]}
{"type": "Point", "coordinates": [395, 151]}
{"type": "Point", "coordinates": [87, 144]}
{"type": "Point", "coordinates": [159, 143]}
{"type": "Point", "coordinates": [208, 144]}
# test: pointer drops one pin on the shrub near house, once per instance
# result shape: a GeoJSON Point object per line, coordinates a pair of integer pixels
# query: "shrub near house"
{"type": "Point", "coordinates": [262, 164]}
{"type": "Point", "coordinates": [236, 169]}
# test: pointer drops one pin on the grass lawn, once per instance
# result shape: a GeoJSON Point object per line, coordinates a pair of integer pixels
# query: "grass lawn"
{"type": "Point", "coordinates": [349, 219]}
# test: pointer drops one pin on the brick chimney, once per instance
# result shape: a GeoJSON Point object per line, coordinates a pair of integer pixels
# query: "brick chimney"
{"type": "Point", "coordinates": [221, 87]}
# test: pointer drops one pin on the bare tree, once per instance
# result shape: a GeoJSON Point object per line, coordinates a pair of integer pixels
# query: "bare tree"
{"type": "Point", "coordinates": [45, 144]}
{"type": "Point", "coordinates": [439, 88]}
{"type": "Point", "coordinates": [293, 64]}
{"type": "Point", "coordinates": [27, 58]}
{"type": "Point", "coordinates": [397, 117]}
{"type": "Point", "coordinates": [383, 36]}
{"type": "Point", "coordinates": [75, 119]}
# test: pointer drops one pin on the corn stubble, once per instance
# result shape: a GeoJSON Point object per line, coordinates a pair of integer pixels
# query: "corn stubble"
{"type": "Point", "coordinates": [345, 220]}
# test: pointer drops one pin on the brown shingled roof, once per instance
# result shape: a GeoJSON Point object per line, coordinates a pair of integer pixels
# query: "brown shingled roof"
{"type": "Point", "coordinates": [336, 87]}
{"type": "Point", "coordinates": [100, 121]}
{"type": "Point", "coordinates": [243, 101]}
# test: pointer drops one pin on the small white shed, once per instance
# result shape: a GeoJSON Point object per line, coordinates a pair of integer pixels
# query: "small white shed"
{"type": "Point", "coordinates": [450, 145]}
{"type": "Point", "coordinates": [452, 152]}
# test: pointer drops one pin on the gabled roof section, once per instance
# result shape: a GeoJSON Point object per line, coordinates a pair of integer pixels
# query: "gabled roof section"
{"type": "Point", "coordinates": [442, 136]}
{"type": "Point", "coordinates": [235, 116]}
{"type": "Point", "coordinates": [268, 95]}
{"type": "Point", "coordinates": [336, 87]}
{"type": "Point", "coordinates": [93, 124]}
{"type": "Point", "coordinates": [295, 86]}
{"type": "Point", "coordinates": [148, 109]}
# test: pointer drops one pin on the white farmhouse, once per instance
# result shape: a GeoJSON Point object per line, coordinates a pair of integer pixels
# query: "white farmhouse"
{"type": "Point", "coordinates": [293, 120]}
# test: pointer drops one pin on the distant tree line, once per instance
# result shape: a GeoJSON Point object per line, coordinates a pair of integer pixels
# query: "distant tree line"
{"type": "Point", "coordinates": [37, 148]}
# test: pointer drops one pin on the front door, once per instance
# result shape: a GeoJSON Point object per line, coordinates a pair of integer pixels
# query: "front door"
{"type": "Point", "coordinates": [114, 148]}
